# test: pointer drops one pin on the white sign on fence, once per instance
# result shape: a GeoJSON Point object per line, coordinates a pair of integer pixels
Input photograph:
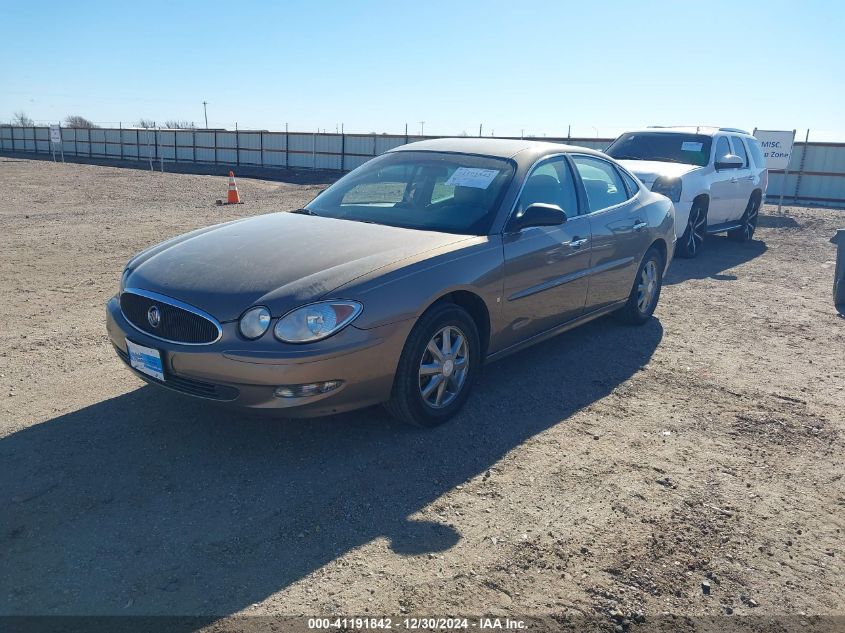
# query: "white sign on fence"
{"type": "Point", "coordinates": [777, 147]}
{"type": "Point", "coordinates": [55, 134]}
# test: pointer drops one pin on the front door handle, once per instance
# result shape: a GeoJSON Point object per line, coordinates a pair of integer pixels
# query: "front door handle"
{"type": "Point", "coordinates": [640, 225]}
{"type": "Point", "coordinates": [577, 242]}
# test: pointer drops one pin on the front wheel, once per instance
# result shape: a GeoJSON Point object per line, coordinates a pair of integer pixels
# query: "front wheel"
{"type": "Point", "coordinates": [748, 223]}
{"type": "Point", "coordinates": [645, 292]}
{"type": "Point", "coordinates": [440, 360]}
{"type": "Point", "coordinates": [691, 242]}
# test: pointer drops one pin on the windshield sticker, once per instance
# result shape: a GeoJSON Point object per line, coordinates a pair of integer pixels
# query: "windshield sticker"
{"type": "Point", "coordinates": [691, 146]}
{"type": "Point", "coordinates": [472, 177]}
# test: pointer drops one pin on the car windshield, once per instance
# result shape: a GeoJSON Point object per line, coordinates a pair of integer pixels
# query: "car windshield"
{"type": "Point", "coordinates": [670, 147]}
{"type": "Point", "coordinates": [431, 191]}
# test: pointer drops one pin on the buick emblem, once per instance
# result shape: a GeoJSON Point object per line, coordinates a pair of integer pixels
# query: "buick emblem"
{"type": "Point", "coordinates": [154, 316]}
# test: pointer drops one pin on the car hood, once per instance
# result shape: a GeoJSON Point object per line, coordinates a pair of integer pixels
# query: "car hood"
{"type": "Point", "coordinates": [649, 170]}
{"type": "Point", "coordinates": [280, 260]}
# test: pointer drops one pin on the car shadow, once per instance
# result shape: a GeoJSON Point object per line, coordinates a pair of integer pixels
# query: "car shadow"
{"type": "Point", "coordinates": [151, 503]}
{"type": "Point", "coordinates": [775, 221]}
{"type": "Point", "coordinates": [719, 255]}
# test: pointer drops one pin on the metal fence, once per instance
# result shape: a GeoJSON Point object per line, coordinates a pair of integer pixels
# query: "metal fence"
{"type": "Point", "coordinates": [816, 171]}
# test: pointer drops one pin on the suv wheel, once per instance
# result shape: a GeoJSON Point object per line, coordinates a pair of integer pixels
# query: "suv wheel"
{"type": "Point", "coordinates": [749, 221]}
{"type": "Point", "coordinates": [692, 240]}
{"type": "Point", "coordinates": [440, 360]}
{"type": "Point", "coordinates": [645, 292]}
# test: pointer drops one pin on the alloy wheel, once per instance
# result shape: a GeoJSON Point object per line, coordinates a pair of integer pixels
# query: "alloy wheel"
{"type": "Point", "coordinates": [697, 230]}
{"type": "Point", "coordinates": [751, 220]}
{"type": "Point", "coordinates": [647, 287]}
{"type": "Point", "coordinates": [443, 367]}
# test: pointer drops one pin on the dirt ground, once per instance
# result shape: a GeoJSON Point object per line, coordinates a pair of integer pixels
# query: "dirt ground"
{"type": "Point", "coordinates": [693, 466]}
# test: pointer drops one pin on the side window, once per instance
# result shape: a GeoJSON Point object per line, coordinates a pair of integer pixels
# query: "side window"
{"type": "Point", "coordinates": [601, 180]}
{"type": "Point", "coordinates": [633, 187]}
{"type": "Point", "coordinates": [756, 153]}
{"type": "Point", "coordinates": [551, 183]}
{"type": "Point", "coordinates": [739, 150]}
{"type": "Point", "coordinates": [722, 149]}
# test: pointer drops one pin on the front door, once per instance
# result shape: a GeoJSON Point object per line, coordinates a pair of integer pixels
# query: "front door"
{"type": "Point", "coordinates": [744, 184]}
{"type": "Point", "coordinates": [545, 267]}
{"type": "Point", "coordinates": [723, 186]}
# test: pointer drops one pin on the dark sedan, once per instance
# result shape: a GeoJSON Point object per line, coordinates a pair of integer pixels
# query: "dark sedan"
{"type": "Point", "coordinates": [397, 282]}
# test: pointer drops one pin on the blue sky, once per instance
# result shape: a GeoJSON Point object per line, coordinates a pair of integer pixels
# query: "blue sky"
{"type": "Point", "coordinates": [533, 66]}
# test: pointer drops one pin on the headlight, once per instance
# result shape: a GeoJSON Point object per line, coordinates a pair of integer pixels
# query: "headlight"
{"type": "Point", "coordinates": [316, 321]}
{"type": "Point", "coordinates": [254, 322]}
{"type": "Point", "coordinates": [669, 187]}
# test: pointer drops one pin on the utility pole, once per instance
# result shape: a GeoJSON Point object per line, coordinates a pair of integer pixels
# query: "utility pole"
{"type": "Point", "coordinates": [480, 125]}
{"type": "Point", "coordinates": [422, 127]}
{"type": "Point", "coordinates": [205, 113]}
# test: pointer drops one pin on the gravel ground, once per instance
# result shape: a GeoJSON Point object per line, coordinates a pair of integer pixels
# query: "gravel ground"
{"type": "Point", "coordinates": [691, 466]}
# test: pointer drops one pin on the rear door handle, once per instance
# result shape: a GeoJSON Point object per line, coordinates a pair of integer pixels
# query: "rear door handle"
{"type": "Point", "coordinates": [640, 225]}
{"type": "Point", "coordinates": [577, 242]}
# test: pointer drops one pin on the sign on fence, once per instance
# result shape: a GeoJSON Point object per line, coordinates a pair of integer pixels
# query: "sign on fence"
{"type": "Point", "coordinates": [777, 147]}
{"type": "Point", "coordinates": [55, 134]}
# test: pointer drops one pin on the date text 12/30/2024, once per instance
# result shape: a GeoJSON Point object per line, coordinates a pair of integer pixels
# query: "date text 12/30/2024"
{"type": "Point", "coordinates": [413, 624]}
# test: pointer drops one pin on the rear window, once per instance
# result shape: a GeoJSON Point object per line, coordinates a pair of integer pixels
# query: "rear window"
{"type": "Point", "coordinates": [669, 147]}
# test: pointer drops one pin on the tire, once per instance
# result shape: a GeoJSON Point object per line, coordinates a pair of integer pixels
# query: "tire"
{"type": "Point", "coordinates": [645, 291]}
{"type": "Point", "coordinates": [409, 401]}
{"type": "Point", "coordinates": [691, 242]}
{"type": "Point", "coordinates": [749, 221]}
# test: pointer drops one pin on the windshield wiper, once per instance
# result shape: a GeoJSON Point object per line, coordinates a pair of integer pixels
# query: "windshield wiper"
{"type": "Point", "coordinates": [303, 211]}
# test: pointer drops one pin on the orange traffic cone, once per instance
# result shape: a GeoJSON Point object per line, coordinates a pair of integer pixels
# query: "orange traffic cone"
{"type": "Point", "coordinates": [234, 196]}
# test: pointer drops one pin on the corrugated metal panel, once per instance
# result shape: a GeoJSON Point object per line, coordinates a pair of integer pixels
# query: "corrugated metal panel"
{"type": "Point", "coordinates": [329, 143]}
{"type": "Point", "coordinates": [384, 143]}
{"type": "Point", "coordinates": [249, 140]}
{"type": "Point", "coordinates": [226, 139]}
{"type": "Point", "coordinates": [205, 139]}
{"type": "Point", "coordinates": [82, 147]}
{"type": "Point", "coordinates": [130, 151]}
{"type": "Point", "coordinates": [249, 157]}
{"type": "Point", "coordinates": [275, 159]}
{"type": "Point", "coordinates": [83, 135]}
{"type": "Point", "coordinates": [97, 136]}
{"type": "Point", "coordinates": [184, 139]}
{"type": "Point", "coordinates": [352, 162]}
{"type": "Point", "coordinates": [98, 149]}
{"type": "Point", "coordinates": [43, 133]}
{"type": "Point", "coordinates": [274, 141]}
{"type": "Point", "coordinates": [128, 136]}
{"type": "Point", "coordinates": [113, 150]}
{"type": "Point", "coordinates": [359, 145]}
{"type": "Point", "coordinates": [227, 156]}
{"type": "Point", "coordinates": [301, 142]}
{"type": "Point", "coordinates": [168, 153]}
{"type": "Point", "coordinates": [166, 137]}
{"type": "Point", "coordinates": [112, 136]}
{"type": "Point", "coordinates": [300, 160]}
{"type": "Point", "coordinates": [17, 133]}
{"type": "Point", "coordinates": [44, 146]}
{"type": "Point", "coordinates": [205, 155]}
{"type": "Point", "coordinates": [328, 161]}
{"type": "Point", "coordinates": [185, 154]}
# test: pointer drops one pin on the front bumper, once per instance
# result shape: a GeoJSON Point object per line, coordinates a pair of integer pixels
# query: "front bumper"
{"type": "Point", "coordinates": [247, 373]}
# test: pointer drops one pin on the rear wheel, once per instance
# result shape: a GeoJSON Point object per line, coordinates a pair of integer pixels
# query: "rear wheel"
{"type": "Point", "coordinates": [438, 365]}
{"type": "Point", "coordinates": [692, 240]}
{"type": "Point", "coordinates": [645, 292]}
{"type": "Point", "coordinates": [749, 221]}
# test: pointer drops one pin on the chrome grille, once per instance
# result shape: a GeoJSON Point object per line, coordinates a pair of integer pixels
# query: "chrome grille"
{"type": "Point", "coordinates": [177, 322]}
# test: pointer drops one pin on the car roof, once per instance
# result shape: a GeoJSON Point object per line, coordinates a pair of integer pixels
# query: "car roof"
{"type": "Point", "coordinates": [521, 150]}
{"type": "Point", "coordinates": [706, 130]}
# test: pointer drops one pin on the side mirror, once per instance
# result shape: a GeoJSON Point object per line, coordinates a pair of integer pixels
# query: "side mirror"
{"type": "Point", "coordinates": [731, 161]}
{"type": "Point", "coordinates": [537, 214]}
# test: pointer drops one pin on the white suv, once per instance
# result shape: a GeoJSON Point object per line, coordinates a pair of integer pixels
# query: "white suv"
{"type": "Point", "coordinates": [716, 177]}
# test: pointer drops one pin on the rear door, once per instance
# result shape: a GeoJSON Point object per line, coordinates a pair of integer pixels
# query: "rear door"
{"type": "Point", "coordinates": [546, 266]}
{"type": "Point", "coordinates": [744, 179]}
{"type": "Point", "coordinates": [618, 227]}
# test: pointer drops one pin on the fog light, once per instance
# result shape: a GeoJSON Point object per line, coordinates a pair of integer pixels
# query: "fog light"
{"type": "Point", "coordinates": [310, 389]}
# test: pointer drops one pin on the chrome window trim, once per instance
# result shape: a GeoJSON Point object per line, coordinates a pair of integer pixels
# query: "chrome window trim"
{"type": "Point", "coordinates": [530, 171]}
{"type": "Point", "coordinates": [173, 303]}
